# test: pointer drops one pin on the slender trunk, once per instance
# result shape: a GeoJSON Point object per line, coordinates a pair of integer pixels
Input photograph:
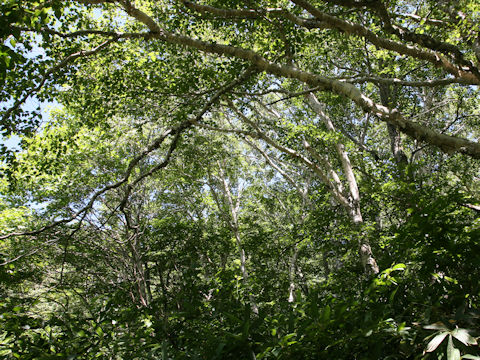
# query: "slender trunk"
{"type": "Point", "coordinates": [233, 223]}
{"type": "Point", "coordinates": [147, 283]}
{"type": "Point", "coordinates": [353, 207]}
{"type": "Point", "coordinates": [366, 255]}
{"type": "Point", "coordinates": [138, 271]}
{"type": "Point", "coordinates": [141, 283]}
{"type": "Point", "coordinates": [243, 269]}
{"type": "Point", "coordinates": [387, 99]}
{"type": "Point", "coordinates": [291, 274]}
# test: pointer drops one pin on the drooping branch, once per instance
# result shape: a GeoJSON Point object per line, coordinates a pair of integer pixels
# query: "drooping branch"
{"type": "Point", "coordinates": [447, 143]}
{"type": "Point", "coordinates": [402, 32]}
{"type": "Point", "coordinates": [421, 39]}
{"type": "Point", "coordinates": [326, 21]}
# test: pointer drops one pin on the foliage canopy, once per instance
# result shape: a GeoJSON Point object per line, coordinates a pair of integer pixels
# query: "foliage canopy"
{"type": "Point", "coordinates": [224, 179]}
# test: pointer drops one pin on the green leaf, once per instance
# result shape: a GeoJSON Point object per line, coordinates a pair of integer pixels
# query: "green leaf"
{"type": "Point", "coordinates": [437, 340]}
{"type": "Point", "coordinates": [399, 267]}
{"type": "Point", "coordinates": [285, 340]}
{"type": "Point", "coordinates": [276, 351]}
{"type": "Point", "coordinates": [99, 331]}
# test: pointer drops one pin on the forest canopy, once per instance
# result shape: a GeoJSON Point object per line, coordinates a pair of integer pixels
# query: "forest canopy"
{"type": "Point", "coordinates": [223, 179]}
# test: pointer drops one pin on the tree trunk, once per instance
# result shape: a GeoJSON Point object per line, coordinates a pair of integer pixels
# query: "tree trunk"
{"type": "Point", "coordinates": [232, 220]}
{"type": "Point", "coordinates": [291, 275]}
{"type": "Point", "coordinates": [353, 206]}
{"type": "Point", "coordinates": [386, 98]}
{"type": "Point", "coordinates": [366, 255]}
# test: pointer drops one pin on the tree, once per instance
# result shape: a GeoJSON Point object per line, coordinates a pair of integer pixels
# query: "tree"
{"type": "Point", "coordinates": [225, 179]}
{"type": "Point", "coordinates": [287, 23]}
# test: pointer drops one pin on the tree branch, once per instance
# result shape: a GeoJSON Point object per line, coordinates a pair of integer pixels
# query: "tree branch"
{"type": "Point", "coordinates": [359, 30]}
{"type": "Point", "coordinates": [447, 143]}
{"type": "Point", "coordinates": [422, 83]}
{"type": "Point", "coordinates": [175, 131]}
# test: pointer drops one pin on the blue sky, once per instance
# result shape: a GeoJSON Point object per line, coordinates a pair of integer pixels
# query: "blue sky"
{"type": "Point", "coordinates": [30, 104]}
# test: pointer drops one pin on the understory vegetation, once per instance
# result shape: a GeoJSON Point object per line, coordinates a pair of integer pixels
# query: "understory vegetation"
{"type": "Point", "coordinates": [228, 179]}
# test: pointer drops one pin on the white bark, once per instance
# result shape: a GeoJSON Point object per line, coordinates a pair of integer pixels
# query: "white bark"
{"type": "Point", "coordinates": [291, 274]}
{"type": "Point", "coordinates": [234, 207]}
{"type": "Point", "coordinates": [353, 206]}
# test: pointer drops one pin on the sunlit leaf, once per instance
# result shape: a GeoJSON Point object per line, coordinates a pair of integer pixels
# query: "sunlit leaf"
{"type": "Point", "coordinates": [436, 326]}
{"type": "Point", "coordinates": [452, 352]}
{"type": "Point", "coordinates": [472, 357]}
{"type": "Point", "coordinates": [463, 336]}
{"type": "Point", "coordinates": [437, 340]}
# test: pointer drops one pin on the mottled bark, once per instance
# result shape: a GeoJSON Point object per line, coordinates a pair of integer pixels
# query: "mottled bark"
{"type": "Point", "coordinates": [366, 255]}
